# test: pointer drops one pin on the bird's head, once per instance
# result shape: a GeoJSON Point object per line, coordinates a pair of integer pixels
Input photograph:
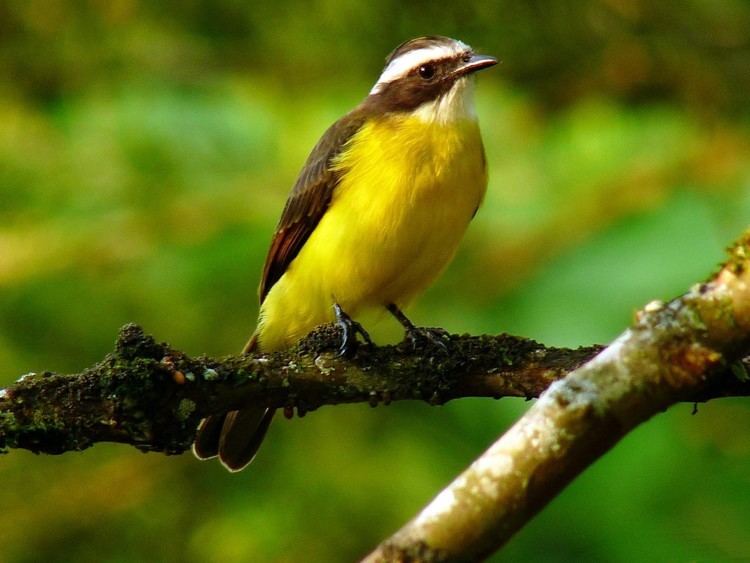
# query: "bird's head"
{"type": "Point", "coordinates": [429, 77]}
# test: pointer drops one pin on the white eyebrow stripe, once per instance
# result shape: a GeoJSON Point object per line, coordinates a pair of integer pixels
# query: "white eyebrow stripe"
{"type": "Point", "coordinates": [401, 65]}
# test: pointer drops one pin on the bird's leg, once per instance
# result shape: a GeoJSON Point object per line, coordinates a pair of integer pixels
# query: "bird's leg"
{"type": "Point", "coordinates": [418, 336]}
{"type": "Point", "coordinates": [350, 329]}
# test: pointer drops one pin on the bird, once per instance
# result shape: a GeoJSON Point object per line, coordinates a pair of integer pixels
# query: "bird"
{"type": "Point", "coordinates": [375, 215]}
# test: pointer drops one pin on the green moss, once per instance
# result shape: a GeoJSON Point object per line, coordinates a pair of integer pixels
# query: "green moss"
{"type": "Point", "coordinates": [740, 371]}
{"type": "Point", "coordinates": [210, 374]}
{"type": "Point", "coordinates": [185, 409]}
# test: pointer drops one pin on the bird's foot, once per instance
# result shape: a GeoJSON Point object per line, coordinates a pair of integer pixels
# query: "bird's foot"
{"type": "Point", "coordinates": [350, 329]}
{"type": "Point", "coordinates": [420, 337]}
{"type": "Point", "coordinates": [424, 338]}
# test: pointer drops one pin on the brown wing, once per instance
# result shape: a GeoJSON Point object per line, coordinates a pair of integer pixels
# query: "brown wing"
{"type": "Point", "coordinates": [308, 201]}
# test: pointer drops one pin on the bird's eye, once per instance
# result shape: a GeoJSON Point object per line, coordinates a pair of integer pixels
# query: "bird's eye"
{"type": "Point", "coordinates": [466, 58]}
{"type": "Point", "coordinates": [426, 71]}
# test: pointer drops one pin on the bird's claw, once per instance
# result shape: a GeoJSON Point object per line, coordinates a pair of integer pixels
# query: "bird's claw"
{"type": "Point", "coordinates": [350, 329]}
{"type": "Point", "coordinates": [427, 338]}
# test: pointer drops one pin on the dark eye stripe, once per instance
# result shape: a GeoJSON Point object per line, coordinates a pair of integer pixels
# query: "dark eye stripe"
{"type": "Point", "coordinates": [435, 64]}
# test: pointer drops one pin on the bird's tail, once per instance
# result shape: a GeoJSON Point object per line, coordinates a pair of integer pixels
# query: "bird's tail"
{"type": "Point", "coordinates": [235, 436]}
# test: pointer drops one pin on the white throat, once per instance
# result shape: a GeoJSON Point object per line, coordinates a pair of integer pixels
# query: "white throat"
{"type": "Point", "coordinates": [457, 104]}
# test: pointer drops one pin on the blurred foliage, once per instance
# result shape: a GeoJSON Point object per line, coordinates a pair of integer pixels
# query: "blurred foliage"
{"type": "Point", "coordinates": [145, 153]}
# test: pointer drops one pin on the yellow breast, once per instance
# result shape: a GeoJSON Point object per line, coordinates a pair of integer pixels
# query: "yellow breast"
{"type": "Point", "coordinates": [408, 191]}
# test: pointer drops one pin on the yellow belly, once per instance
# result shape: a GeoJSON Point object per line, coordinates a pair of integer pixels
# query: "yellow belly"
{"type": "Point", "coordinates": [409, 190]}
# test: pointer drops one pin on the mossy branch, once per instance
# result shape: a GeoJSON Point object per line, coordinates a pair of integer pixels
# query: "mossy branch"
{"type": "Point", "coordinates": [152, 396]}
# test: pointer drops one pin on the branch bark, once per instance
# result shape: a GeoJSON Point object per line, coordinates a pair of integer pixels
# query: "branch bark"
{"type": "Point", "coordinates": [673, 352]}
{"type": "Point", "coordinates": [152, 396]}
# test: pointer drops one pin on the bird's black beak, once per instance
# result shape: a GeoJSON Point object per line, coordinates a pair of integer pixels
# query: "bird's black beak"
{"type": "Point", "coordinates": [475, 63]}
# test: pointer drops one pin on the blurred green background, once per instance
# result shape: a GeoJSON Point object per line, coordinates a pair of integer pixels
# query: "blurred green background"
{"type": "Point", "coordinates": [146, 150]}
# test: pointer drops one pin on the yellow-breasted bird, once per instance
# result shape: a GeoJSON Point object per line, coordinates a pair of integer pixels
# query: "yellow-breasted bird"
{"type": "Point", "coordinates": [375, 216]}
